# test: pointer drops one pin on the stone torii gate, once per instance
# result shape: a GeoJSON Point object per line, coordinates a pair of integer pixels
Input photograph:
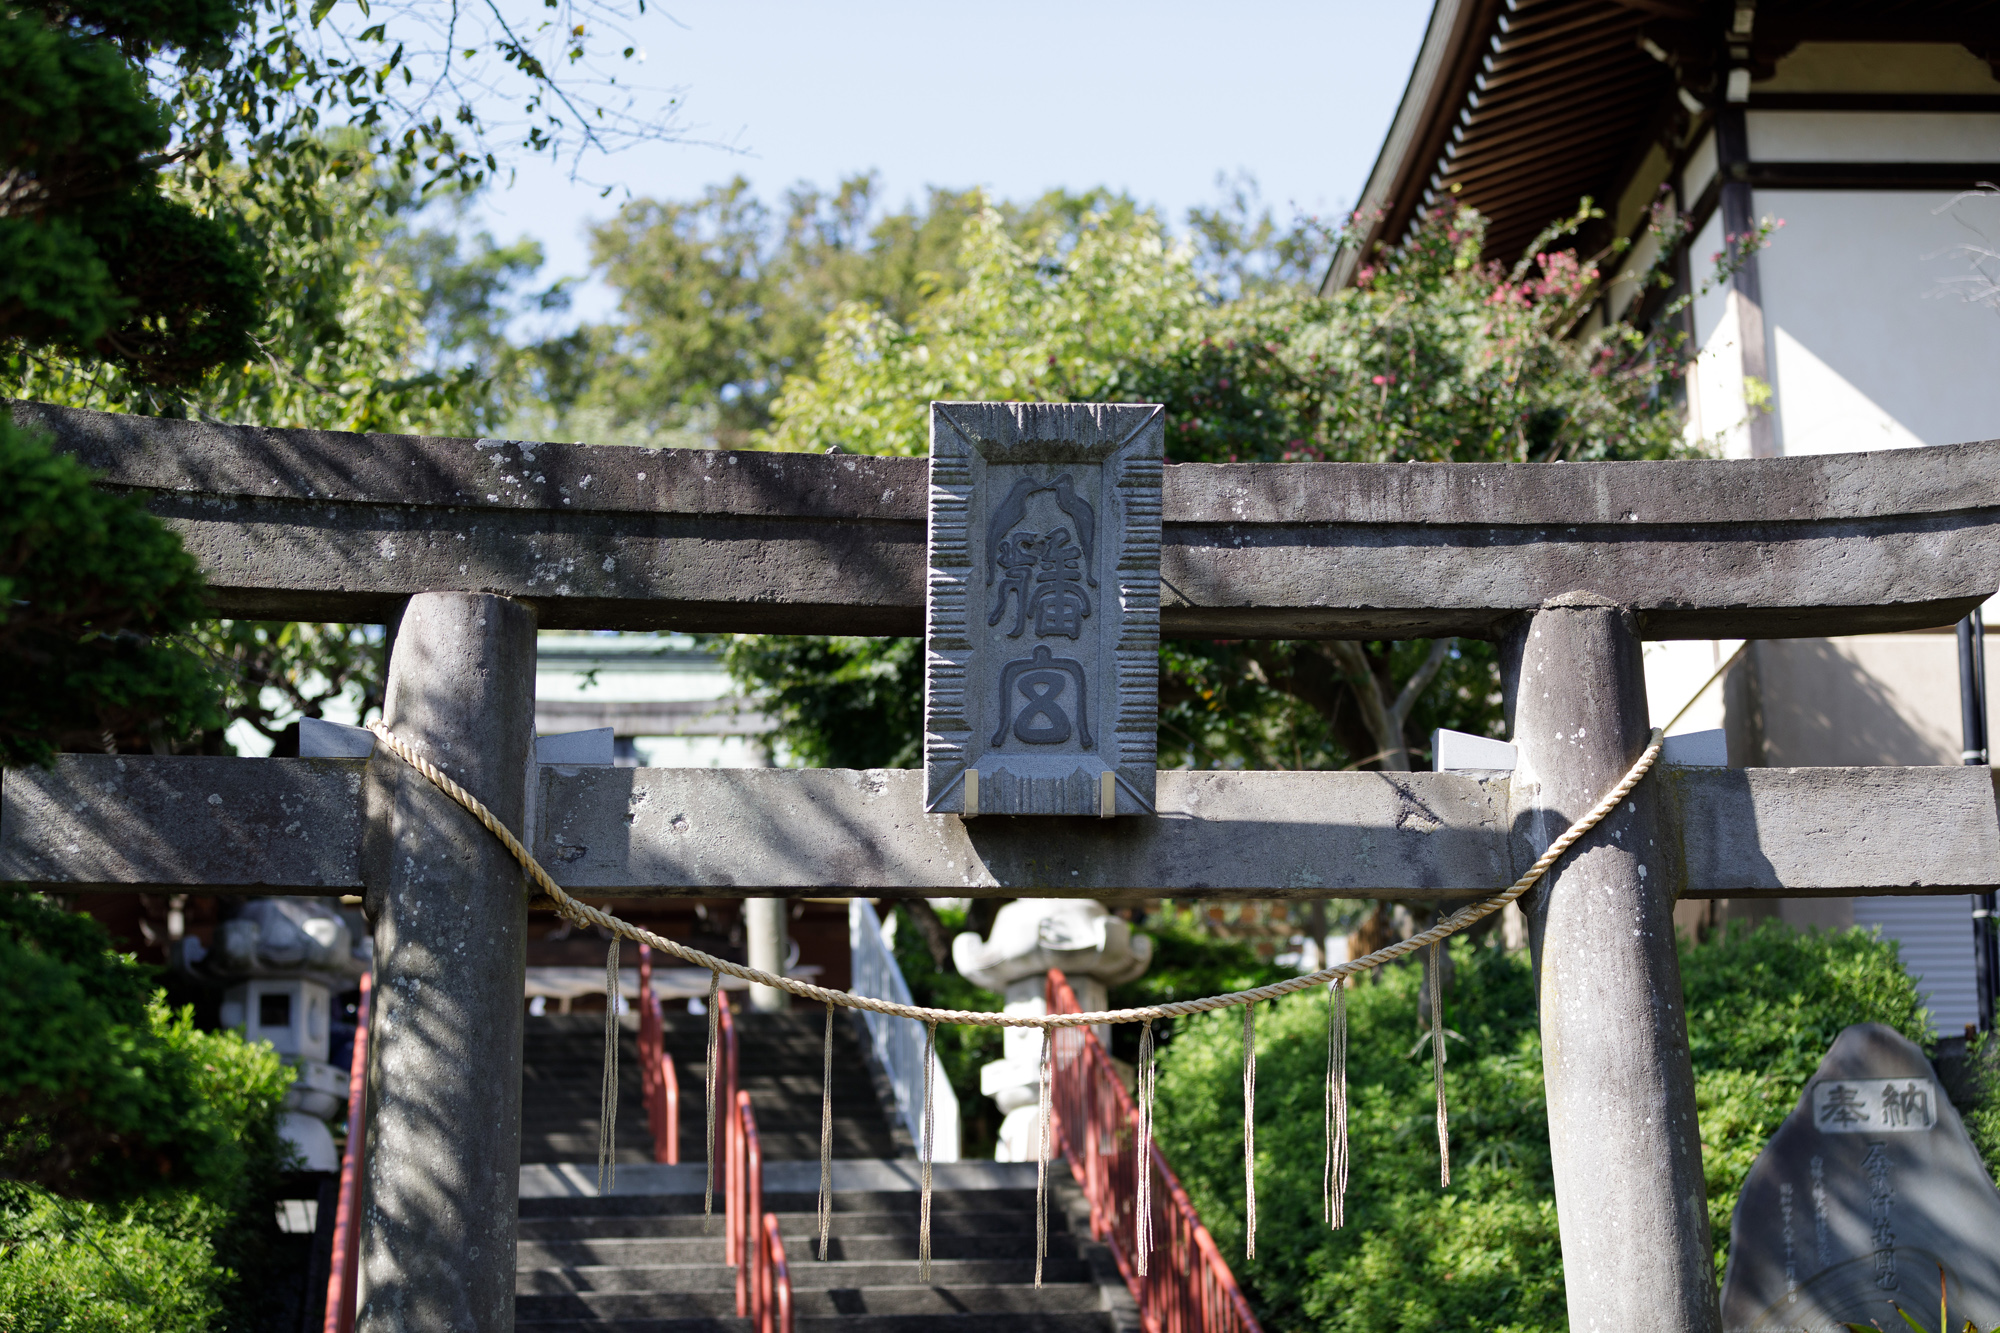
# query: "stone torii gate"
{"type": "Point", "coordinates": [466, 547]}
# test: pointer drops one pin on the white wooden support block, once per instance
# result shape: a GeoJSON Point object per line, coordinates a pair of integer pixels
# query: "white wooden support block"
{"type": "Point", "coordinates": [320, 739]}
{"type": "Point", "coordinates": [576, 747]}
{"type": "Point", "coordinates": [1697, 749]}
{"type": "Point", "coordinates": [1456, 750]}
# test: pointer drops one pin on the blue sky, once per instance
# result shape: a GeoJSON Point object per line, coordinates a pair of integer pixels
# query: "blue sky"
{"type": "Point", "coordinates": [1153, 99]}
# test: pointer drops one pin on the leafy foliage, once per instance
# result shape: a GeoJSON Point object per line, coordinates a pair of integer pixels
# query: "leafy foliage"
{"type": "Point", "coordinates": [104, 1093]}
{"type": "Point", "coordinates": [139, 1157]}
{"type": "Point", "coordinates": [840, 702]}
{"type": "Point", "coordinates": [1063, 313]}
{"type": "Point", "coordinates": [275, 672]}
{"type": "Point", "coordinates": [95, 1268]}
{"type": "Point", "coordinates": [1436, 356]}
{"type": "Point", "coordinates": [1763, 1006]}
{"type": "Point", "coordinates": [94, 258]}
{"type": "Point", "coordinates": [91, 588]}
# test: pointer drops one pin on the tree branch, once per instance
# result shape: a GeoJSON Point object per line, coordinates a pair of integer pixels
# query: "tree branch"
{"type": "Point", "coordinates": [1376, 714]}
{"type": "Point", "coordinates": [1440, 653]}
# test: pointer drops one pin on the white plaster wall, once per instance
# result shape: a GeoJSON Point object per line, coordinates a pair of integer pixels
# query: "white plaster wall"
{"type": "Point", "coordinates": [1869, 346]}
{"type": "Point", "coordinates": [1675, 670]}
{"type": "Point", "coordinates": [1873, 136]}
{"type": "Point", "coordinates": [1877, 699]}
{"type": "Point", "coordinates": [1718, 419]}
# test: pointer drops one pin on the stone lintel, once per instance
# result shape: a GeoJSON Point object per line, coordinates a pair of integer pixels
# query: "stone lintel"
{"type": "Point", "coordinates": [292, 826]}
{"type": "Point", "coordinates": [184, 822]}
{"type": "Point", "coordinates": [326, 525]}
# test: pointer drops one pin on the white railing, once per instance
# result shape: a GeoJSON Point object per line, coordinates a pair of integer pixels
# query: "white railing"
{"type": "Point", "coordinates": [899, 1042]}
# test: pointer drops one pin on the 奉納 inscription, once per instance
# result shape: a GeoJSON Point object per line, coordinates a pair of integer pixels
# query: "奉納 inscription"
{"type": "Point", "coordinates": [1874, 1106]}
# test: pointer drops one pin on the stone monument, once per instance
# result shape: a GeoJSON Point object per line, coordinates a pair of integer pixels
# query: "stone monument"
{"type": "Point", "coordinates": [1095, 951]}
{"type": "Point", "coordinates": [1041, 689]}
{"type": "Point", "coordinates": [1866, 1189]}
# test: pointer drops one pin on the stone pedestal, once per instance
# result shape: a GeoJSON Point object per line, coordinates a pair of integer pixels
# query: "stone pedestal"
{"type": "Point", "coordinates": [1095, 951]}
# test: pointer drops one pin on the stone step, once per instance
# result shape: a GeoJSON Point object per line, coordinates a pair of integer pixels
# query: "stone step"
{"type": "Point", "coordinates": [792, 1226]}
{"type": "Point", "coordinates": [668, 1290]}
{"type": "Point", "coordinates": [952, 1322]}
{"type": "Point", "coordinates": [859, 1187]}
{"type": "Point", "coordinates": [843, 1245]}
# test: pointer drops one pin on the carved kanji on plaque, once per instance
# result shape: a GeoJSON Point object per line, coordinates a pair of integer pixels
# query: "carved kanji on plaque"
{"type": "Point", "coordinates": [1041, 682]}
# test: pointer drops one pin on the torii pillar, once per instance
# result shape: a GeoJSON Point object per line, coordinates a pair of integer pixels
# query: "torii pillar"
{"type": "Point", "coordinates": [1631, 1204]}
{"type": "Point", "coordinates": [450, 909]}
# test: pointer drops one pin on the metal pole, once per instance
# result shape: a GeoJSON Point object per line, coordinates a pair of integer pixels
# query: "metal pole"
{"type": "Point", "coordinates": [1972, 722]}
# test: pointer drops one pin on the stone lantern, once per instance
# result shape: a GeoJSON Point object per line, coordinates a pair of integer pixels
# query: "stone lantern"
{"type": "Point", "coordinates": [1095, 951]}
{"type": "Point", "coordinates": [282, 961]}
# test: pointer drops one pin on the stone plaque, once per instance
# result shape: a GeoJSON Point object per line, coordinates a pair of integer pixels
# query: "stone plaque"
{"type": "Point", "coordinates": [1041, 680]}
{"type": "Point", "coordinates": [1869, 1185]}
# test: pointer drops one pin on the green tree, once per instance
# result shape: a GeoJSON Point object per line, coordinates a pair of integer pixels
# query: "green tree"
{"type": "Point", "coordinates": [721, 299]}
{"type": "Point", "coordinates": [92, 592]}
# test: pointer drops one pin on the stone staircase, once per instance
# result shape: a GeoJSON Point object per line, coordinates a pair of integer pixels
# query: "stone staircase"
{"type": "Point", "coordinates": [652, 1264]}
{"type": "Point", "coordinates": [644, 1260]}
{"type": "Point", "coordinates": [779, 1064]}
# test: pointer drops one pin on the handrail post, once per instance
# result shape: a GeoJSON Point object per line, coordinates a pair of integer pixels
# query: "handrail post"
{"type": "Point", "coordinates": [345, 1266]}
{"type": "Point", "coordinates": [724, 1081]}
{"type": "Point", "coordinates": [778, 1294]}
{"type": "Point", "coordinates": [750, 1198]}
{"type": "Point", "coordinates": [649, 1047]}
{"type": "Point", "coordinates": [670, 1085]}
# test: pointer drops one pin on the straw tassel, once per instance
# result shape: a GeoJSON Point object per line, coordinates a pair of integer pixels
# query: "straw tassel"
{"type": "Point", "coordinates": [1250, 1130]}
{"type": "Point", "coordinates": [607, 1110]}
{"type": "Point", "coordinates": [1437, 1066]}
{"type": "Point", "coordinates": [1334, 1204]}
{"type": "Point", "coordinates": [709, 1072]}
{"type": "Point", "coordinates": [1142, 1152]}
{"type": "Point", "coordinates": [826, 1141]}
{"type": "Point", "coordinates": [930, 1141]}
{"type": "Point", "coordinates": [1046, 1070]}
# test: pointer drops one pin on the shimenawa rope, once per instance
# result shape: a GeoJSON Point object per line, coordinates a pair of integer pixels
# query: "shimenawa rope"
{"type": "Point", "coordinates": [584, 914]}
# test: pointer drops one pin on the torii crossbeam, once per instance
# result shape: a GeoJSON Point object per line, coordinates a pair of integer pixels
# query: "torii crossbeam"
{"type": "Point", "coordinates": [469, 546]}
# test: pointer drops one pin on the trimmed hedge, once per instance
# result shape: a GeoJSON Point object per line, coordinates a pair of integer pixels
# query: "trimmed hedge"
{"type": "Point", "coordinates": [1763, 1007]}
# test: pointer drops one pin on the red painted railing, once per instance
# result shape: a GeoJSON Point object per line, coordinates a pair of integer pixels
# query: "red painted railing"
{"type": "Point", "coordinates": [775, 1282]}
{"type": "Point", "coordinates": [729, 1175]}
{"type": "Point", "coordinates": [657, 1079]}
{"type": "Point", "coordinates": [1188, 1288]}
{"type": "Point", "coordinates": [344, 1271]}
{"type": "Point", "coordinates": [763, 1280]}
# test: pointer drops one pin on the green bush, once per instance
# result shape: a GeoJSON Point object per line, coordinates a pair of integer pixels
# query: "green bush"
{"type": "Point", "coordinates": [82, 1267]}
{"type": "Point", "coordinates": [1763, 1007]}
{"type": "Point", "coordinates": [139, 1156]}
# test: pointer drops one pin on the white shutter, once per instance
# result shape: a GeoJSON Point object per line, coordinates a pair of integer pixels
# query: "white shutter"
{"type": "Point", "coordinates": [1936, 939]}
